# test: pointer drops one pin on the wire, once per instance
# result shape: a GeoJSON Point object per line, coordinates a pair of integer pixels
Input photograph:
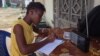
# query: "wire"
{"type": "Point", "coordinates": [87, 28]}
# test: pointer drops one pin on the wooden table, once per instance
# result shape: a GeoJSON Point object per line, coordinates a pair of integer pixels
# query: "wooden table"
{"type": "Point", "coordinates": [67, 47]}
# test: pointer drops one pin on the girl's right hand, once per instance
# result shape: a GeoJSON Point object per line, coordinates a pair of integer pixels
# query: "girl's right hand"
{"type": "Point", "coordinates": [51, 37]}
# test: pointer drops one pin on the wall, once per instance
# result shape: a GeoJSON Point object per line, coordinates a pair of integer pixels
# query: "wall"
{"type": "Point", "coordinates": [96, 2]}
{"type": "Point", "coordinates": [27, 2]}
{"type": "Point", "coordinates": [42, 1]}
{"type": "Point", "coordinates": [49, 11]}
{"type": "Point", "coordinates": [3, 3]}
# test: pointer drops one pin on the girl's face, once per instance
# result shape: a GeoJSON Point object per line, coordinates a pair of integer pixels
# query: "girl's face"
{"type": "Point", "coordinates": [36, 16]}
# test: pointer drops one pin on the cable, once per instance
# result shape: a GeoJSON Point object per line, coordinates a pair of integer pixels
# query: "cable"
{"type": "Point", "coordinates": [87, 28]}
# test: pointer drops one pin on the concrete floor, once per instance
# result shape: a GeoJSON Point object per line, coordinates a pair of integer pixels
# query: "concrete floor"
{"type": "Point", "coordinates": [8, 16]}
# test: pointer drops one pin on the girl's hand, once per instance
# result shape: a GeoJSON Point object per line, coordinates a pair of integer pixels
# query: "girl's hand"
{"type": "Point", "coordinates": [51, 37]}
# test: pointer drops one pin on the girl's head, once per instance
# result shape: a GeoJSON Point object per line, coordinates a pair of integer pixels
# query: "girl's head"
{"type": "Point", "coordinates": [35, 11]}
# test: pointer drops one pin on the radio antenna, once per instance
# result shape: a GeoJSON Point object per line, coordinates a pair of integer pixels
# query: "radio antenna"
{"type": "Point", "coordinates": [87, 28]}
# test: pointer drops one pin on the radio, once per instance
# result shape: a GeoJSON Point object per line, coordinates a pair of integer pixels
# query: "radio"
{"type": "Point", "coordinates": [80, 40]}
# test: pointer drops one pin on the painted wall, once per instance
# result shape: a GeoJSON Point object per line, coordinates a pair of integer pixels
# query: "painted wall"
{"type": "Point", "coordinates": [96, 2]}
{"type": "Point", "coordinates": [42, 1]}
{"type": "Point", "coordinates": [49, 12]}
{"type": "Point", "coordinates": [3, 3]}
{"type": "Point", "coordinates": [27, 2]}
{"type": "Point", "coordinates": [49, 9]}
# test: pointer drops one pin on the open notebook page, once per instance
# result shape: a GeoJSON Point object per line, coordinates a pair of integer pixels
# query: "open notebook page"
{"type": "Point", "coordinates": [48, 48]}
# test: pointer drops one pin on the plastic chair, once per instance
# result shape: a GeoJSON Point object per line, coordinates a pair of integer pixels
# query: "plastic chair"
{"type": "Point", "coordinates": [3, 48]}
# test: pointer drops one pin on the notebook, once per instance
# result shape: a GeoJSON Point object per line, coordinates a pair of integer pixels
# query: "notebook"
{"type": "Point", "coordinates": [48, 48]}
